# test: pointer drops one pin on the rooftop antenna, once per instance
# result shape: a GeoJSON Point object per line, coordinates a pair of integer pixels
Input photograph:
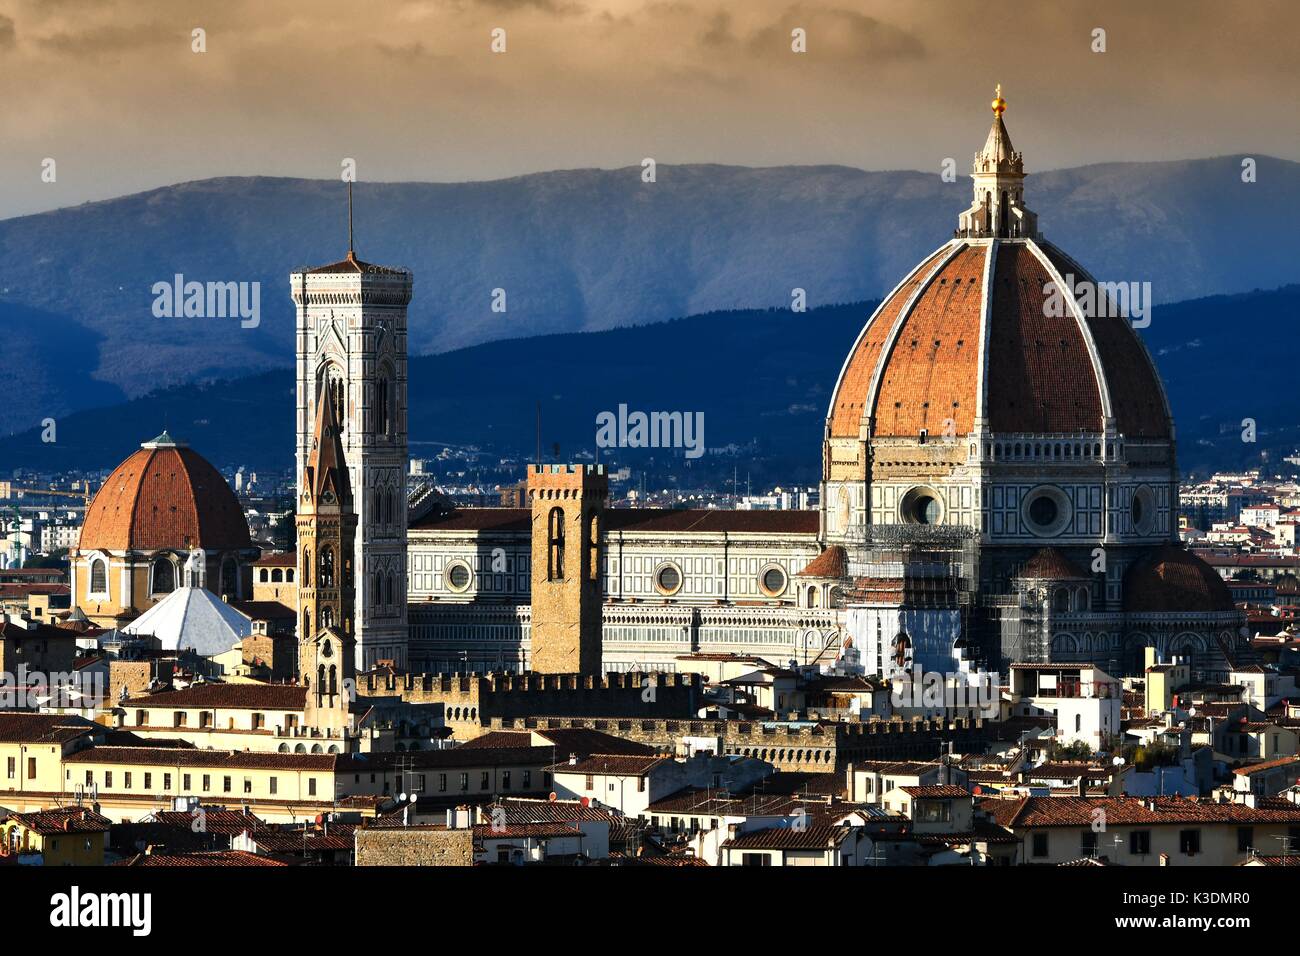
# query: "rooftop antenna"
{"type": "Point", "coordinates": [351, 253]}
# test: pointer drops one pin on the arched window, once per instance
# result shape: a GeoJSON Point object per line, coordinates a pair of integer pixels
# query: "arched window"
{"type": "Point", "coordinates": [326, 617]}
{"type": "Point", "coordinates": [277, 575]}
{"type": "Point", "coordinates": [334, 680]}
{"type": "Point", "coordinates": [229, 578]}
{"type": "Point", "coordinates": [326, 572]}
{"type": "Point", "coordinates": [99, 576]}
{"type": "Point", "coordinates": [555, 545]}
{"type": "Point", "coordinates": [164, 576]}
{"type": "Point", "coordinates": [383, 417]}
{"type": "Point", "coordinates": [388, 589]}
{"type": "Point", "coordinates": [306, 623]}
{"type": "Point", "coordinates": [1061, 601]}
{"type": "Point", "coordinates": [306, 567]}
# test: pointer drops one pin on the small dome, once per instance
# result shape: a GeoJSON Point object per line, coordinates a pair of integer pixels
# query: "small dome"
{"type": "Point", "coordinates": [165, 496]}
{"type": "Point", "coordinates": [1050, 564]}
{"type": "Point", "coordinates": [1171, 578]}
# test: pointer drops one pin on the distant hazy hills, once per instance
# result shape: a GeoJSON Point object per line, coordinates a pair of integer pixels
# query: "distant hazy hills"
{"type": "Point", "coordinates": [762, 379]}
{"type": "Point", "coordinates": [575, 251]}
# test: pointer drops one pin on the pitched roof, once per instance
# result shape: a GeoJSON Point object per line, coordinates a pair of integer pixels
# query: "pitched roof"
{"type": "Point", "coordinates": [65, 820]}
{"type": "Point", "coordinates": [214, 759]}
{"type": "Point", "coordinates": [19, 728]}
{"type": "Point", "coordinates": [454, 757]}
{"type": "Point", "coordinates": [489, 831]}
{"type": "Point", "coordinates": [789, 838]}
{"type": "Point", "coordinates": [232, 696]}
{"type": "Point", "coordinates": [617, 765]}
{"type": "Point", "coordinates": [938, 791]}
{"type": "Point", "coordinates": [215, 820]}
{"type": "Point", "coordinates": [222, 858]}
{"type": "Point", "coordinates": [1133, 811]}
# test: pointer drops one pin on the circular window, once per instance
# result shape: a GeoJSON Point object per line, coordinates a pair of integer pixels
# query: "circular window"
{"type": "Point", "coordinates": [772, 580]}
{"type": "Point", "coordinates": [458, 576]}
{"type": "Point", "coordinates": [1046, 510]}
{"type": "Point", "coordinates": [1043, 511]}
{"type": "Point", "coordinates": [668, 579]}
{"type": "Point", "coordinates": [1143, 510]}
{"type": "Point", "coordinates": [921, 506]}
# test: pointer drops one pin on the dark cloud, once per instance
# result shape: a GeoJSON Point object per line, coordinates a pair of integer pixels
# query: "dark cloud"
{"type": "Point", "coordinates": [113, 39]}
{"type": "Point", "coordinates": [835, 33]}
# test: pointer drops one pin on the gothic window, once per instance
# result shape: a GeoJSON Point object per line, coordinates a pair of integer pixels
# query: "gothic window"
{"type": "Point", "coordinates": [336, 399]}
{"type": "Point", "coordinates": [229, 578]}
{"type": "Point", "coordinates": [320, 682]}
{"type": "Point", "coordinates": [99, 576]}
{"type": "Point", "coordinates": [306, 567]}
{"type": "Point", "coordinates": [334, 680]}
{"type": "Point", "coordinates": [164, 576]}
{"type": "Point", "coordinates": [388, 590]}
{"type": "Point", "coordinates": [326, 573]}
{"type": "Point", "coordinates": [306, 623]}
{"type": "Point", "coordinates": [326, 617]}
{"type": "Point", "coordinates": [383, 414]}
{"type": "Point", "coordinates": [555, 545]}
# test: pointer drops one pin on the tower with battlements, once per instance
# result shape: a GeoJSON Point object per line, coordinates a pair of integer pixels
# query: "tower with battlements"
{"type": "Point", "coordinates": [566, 504]}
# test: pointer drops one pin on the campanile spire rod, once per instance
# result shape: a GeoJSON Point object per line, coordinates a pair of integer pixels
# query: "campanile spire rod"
{"type": "Point", "coordinates": [351, 249]}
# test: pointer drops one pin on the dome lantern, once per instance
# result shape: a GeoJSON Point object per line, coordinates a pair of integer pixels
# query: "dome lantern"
{"type": "Point", "coordinates": [998, 210]}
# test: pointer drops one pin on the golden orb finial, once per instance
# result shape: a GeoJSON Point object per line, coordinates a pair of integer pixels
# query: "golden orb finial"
{"type": "Point", "coordinates": [999, 104]}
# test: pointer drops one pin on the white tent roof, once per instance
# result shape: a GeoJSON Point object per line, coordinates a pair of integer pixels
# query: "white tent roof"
{"type": "Point", "coordinates": [194, 618]}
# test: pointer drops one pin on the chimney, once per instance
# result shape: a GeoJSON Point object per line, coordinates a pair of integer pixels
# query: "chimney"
{"type": "Point", "coordinates": [850, 785]}
{"type": "Point", "coordinates": [1083, 784]}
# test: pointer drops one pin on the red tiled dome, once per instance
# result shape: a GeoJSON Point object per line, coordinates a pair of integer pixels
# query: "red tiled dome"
{"type": "Point", "coordinates": [943, 346]}
{"type": "Point", "coordinates": [164, 496]}
{"type": "Point", "coordinates": [1171, 578]}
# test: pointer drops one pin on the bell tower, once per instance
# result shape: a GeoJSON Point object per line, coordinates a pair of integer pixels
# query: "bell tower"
{"type": "Point", "coordinates": [567, 503]}
{"type": "Point", "coordinates": [351, 343]}
{"type": "Point", "coordinates": [326, 555]}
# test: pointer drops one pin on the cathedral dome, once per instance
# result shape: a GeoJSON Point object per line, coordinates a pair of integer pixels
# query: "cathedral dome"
{"type": "Point", "coordinates": [164, 496]}
{"type": "Point", "coordinates": [990, 330]}
{"type": "Point", "coordinates": [1171, 578]}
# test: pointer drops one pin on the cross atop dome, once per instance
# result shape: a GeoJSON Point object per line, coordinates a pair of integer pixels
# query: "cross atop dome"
{"type": "Point", "coordinates": [999, 172]}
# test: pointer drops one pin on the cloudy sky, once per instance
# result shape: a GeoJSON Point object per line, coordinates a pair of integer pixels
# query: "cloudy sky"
{"type": "Point", "coordinates": [112, 91]}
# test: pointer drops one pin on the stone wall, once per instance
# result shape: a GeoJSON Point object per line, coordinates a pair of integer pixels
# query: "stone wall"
{"type": "Point", "coordinates": [472, 702]}
{"type": "Point", "coordinates": [414, 846]}
{"type": "Point", "coordinates": [820, 748]}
